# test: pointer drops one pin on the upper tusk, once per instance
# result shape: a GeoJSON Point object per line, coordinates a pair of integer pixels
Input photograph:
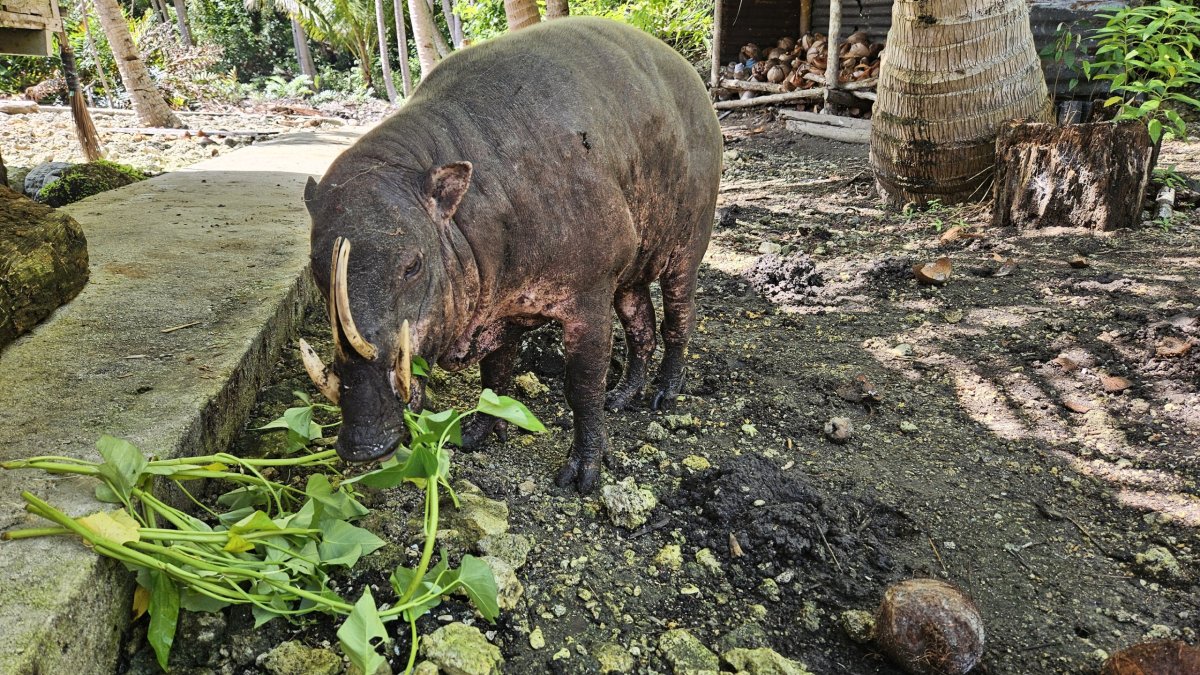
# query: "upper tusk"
{"type": "Point", "coordinates": [342, 300]}
{"type": "Point", "coordinates": [402, 373]}
{"type": "Point", "coordinates": [332, 304]}
{"type": "Point", "coordinates": [327, 382]}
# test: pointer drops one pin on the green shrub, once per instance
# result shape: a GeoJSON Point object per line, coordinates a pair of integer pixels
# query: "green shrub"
{"type": "Point", "coordinates": [1148, 55]}
{"type": "Point", "coordinates": [85, 180]}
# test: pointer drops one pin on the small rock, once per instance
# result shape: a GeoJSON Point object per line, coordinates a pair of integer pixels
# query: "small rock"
{"type": "Point", "coordinates": [530, 385]}
{"type": "Point", "coordinates": [628, 504]}
{"type": "Point", "coordinates": [750, 430]}
{"type": "Point", "coordinates": [670, 557]}
{"type": "Point", "coordinates": [509, 588]}
{"type": "Point", "coordinates": [561, 655]}
{"type": "Point", "coordinates": [1159, 563]}
{"type": "Point", "coordinates": [809, 616]}
{"type": "Point", "coordinates": [769, 589]}
{"type": "Point", "coordinates": [749, 635]}
{"type": "Point", "coordinates": [696, 462]}
{"type": "Point", "coordinates": [903, 350]}
{"type": "Point", "coordinates": [459, 649]}
{"type": "Point", "coordinates": [769, 247]}
{"type": "Point", "coordinates": [527, 487]}
{"type": "Point", "coordinates": [613, 658]}
{"type": "Point", "coordinates": [858, 625]}
{"type": "Point", "coordinates": [686, 654]}
{"type": "Point", "coordinates": [656, 433]}
{"type": "Point", "coordinates": [709, 562]}
{"type": "Point", "coordinates": [839, 429]}
{"type": "Point", "coordinates": [536, 639]}
{"type": "Point", "coordinates": [676, 422]}
{"type": "Point", "coordinates": [294, 658]}
{"type": "Point", "coordinates": [425, 668]}
{"type": "Point", "coordinates": [908, 427]}
{"type": "Point", "coordinates": [511, 548]}
{"type": "Point", "coordinates": [762, 661]}
{"type": "Point", "coordinates": [477, 516]}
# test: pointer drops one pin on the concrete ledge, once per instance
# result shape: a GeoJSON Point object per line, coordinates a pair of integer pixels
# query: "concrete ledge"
{"type": "Point", "coordinates": [223, 244]}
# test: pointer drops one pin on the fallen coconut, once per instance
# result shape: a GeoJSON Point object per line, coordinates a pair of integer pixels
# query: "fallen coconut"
{"type": "Point", "coordinates": [929, 627]}
{"type": "Point", "coordinates": [1159, 657]}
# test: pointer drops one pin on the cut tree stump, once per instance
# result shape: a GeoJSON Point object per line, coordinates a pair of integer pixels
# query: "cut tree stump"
{"type": "Point", "coordinates": [1080, 175]}
{"type": "Point", "coordinates": [43, 262]}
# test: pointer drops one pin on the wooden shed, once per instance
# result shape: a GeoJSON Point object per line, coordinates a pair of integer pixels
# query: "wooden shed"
{"type": "Point", "coordinates": [28, 27]}
{"type": "Point", "coordinates": [738, 22]}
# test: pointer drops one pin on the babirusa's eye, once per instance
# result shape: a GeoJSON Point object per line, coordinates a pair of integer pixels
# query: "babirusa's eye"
{"type": "Point", "coordinates": [413, 268]}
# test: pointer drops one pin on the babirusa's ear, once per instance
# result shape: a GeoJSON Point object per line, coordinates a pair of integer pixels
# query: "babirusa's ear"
{"type": "Point", "coordinates": [310, 192]}
{"type": "Point", "coordinates": [444, 189]}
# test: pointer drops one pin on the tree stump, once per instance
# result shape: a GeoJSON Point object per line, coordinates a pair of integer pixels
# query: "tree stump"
{"type": "Point", "coordinates": [43, 262]}
{"type": "Point", "coordinates": [1079, 175]}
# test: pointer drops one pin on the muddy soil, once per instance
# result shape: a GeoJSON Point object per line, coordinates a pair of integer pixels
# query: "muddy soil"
{"type": "Point", "coordinates": [1025, 435]}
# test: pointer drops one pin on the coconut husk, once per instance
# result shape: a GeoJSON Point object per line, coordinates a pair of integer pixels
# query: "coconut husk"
{"type": "Point", "coordinates": [759, 71]}
{"type": "Point", "coordinates": [858, 37]}
{"type": "Point", "coordinates": [749, 51]}
{"type": "Point", "coordinates": [777, 53]}
{"type": "Point", "coordinates": [786, 44]}
{"type": "Point", "coordinates": [858, 49]}
{"type": "Point", "coordinates": [776, 74]}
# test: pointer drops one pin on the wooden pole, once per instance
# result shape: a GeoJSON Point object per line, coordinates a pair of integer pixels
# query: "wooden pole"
{"type": "Point", "coordinates": [815, 92]}
{"type": "Point", "coordinates": [718, 16]}
{"type": "Point", "coordinates": [831, 56]}
{"type": "Point", "coordinates": [805, 17]}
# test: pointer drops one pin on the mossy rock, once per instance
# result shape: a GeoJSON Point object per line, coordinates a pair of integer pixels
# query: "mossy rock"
{"type": "Point", "coordinates": [84, 180]}
{"type": "Point", "coordinates": [43, 262]}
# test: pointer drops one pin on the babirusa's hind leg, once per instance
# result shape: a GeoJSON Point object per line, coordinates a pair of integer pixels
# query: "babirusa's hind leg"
{"type": "Point", "coordinates": [679, 318]}
{"type": "Point", "coordinates": [636, 312]}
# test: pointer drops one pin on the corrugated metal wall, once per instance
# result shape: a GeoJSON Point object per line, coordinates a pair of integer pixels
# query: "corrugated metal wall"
{"type": "Point", "coordinates": [764, 21]}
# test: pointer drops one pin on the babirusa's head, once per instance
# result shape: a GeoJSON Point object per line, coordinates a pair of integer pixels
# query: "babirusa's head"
{"type": "Point", "coordinates": [378, 257]}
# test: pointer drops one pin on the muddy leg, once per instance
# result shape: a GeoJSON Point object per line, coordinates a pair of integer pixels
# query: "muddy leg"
{"type": "Point", "coordinates": [636, 312]}
{"type": "Point", "coordinates": [679, 318]}
{"type": "Point", "coordinates": [495, 372]}
{"type": "Point", "coordinates": [587, 338]}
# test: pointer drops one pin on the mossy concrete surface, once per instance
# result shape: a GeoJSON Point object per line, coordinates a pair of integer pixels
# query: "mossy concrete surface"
{"type": "Point", "coordinates": [217, 252]}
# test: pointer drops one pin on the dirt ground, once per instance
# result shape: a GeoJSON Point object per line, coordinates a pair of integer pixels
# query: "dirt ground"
{"type": "Point", "coordinates": [1025, 435]}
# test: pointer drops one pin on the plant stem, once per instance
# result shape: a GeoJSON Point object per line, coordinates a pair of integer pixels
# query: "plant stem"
{"type": "Point", "coordinates": [13, 535]}
{"type": "Point", "coordinates": [431, 518]}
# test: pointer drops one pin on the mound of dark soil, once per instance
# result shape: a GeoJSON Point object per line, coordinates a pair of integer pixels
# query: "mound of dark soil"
{"type": "Point", "coordinates": [778, 516]}
{"type": "Point", "coordinates": [787, 279]}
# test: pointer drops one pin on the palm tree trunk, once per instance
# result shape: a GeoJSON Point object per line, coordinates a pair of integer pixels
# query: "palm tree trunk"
{"type": "Point", "coordinates": [557, 9]}
{"type": "Point", "coordinates": [521, 13]}
{"type": "Point", "coordinates": [148, 103]}
{"type": "Point", "coordinates": [402, 47]}
{"type": "Point", "coordinates": [304, 57]}
{"type": "Point", "coordinates": [109, 90]}
{"type": "Point", "coordinates": [385, 61]}
{"type": "Point", "coordinates": [453, 22]}
{"type": "Point", "coordinates": [423, 30]}
{"type": "Point", "coordinates": [945, 87]}
{"type": "Point", "coordinates": [181, 18]}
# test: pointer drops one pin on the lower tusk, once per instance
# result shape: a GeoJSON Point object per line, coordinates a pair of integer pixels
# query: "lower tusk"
{"type": "Point", "coordinates": [402, 373]}
{"type": "Point", "coordinates": [327, 383]}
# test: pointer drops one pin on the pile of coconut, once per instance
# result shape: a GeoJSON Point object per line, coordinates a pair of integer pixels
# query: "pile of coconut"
{"type": "Point", "coordinates": [800, 64]}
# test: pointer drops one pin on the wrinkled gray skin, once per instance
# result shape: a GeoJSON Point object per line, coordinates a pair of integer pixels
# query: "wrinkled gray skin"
{"type": "Point", "coordinates": [548, 175]}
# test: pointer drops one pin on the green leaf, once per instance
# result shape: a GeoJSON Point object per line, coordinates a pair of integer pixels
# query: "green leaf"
{"type": "Point", "coordinates": [508, 409]}
{"type": "Point", "coordinates": [343, 543]}
{"type": "Point", "coordinates": [1155, 129]}
{"type": "Point", "coordinates": [164, 615]}
{"type": "Point", "coordinates": [360, 634]}
{"type": "Point", "coordinates": [198, 602]}
{"type": "Point", "coordinates": [420, 367]}
{"type": "Point", "coordinates": [480, 584]}
{"type": "Point", "coordinates": [1112, 100]}
{"type": "Point", "coordinates": [122, 467]}
{"type": "Point", "coordinates": [437, 423]}
{"type": "Point", "coordinates": [255, 522]}
{"type": "Point", "coordinates": [334, 504]}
